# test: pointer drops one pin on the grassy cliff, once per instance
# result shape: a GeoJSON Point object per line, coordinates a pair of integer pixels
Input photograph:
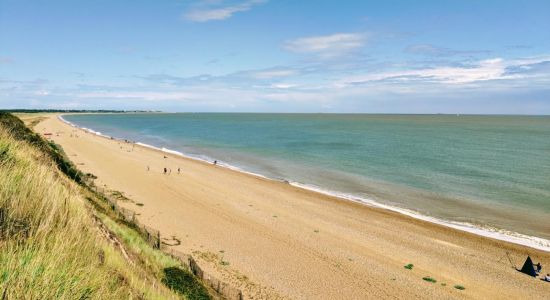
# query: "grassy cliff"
{"type": "Point", "coordinates": [55, 240]}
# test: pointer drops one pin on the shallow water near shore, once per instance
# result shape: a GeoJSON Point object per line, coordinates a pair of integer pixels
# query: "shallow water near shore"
{"type": "Point", "coordinates": [492, 172]}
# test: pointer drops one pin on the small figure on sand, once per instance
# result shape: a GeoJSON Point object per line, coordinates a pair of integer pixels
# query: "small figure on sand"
{"type": "Point", "coordinates": [165, 170]}
{"type": "Point", "coordinates": [538, 268]}
{"type": "Point", "coordinates": [147, 168]}
{"type": "Point", "coordinates": [215, 162]}
{"type": "Point", "coordinates": [165, 156]}
{"type": "Point", "coordinates": [547, 277]}
{"type": "Point", "coordinates": [179, 170]}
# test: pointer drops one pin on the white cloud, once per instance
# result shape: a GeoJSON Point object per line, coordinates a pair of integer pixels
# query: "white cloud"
{"type": "Point", "coordinates": [283, 85]}
{"type": "Point", "coordinates": [489, 69]}
{"type": "Point", "coordinates": [42, 93]}
{"type": "Point", "coordinates": [530, 60]}
{"type": "Point", "coordinates": [209, 13]}
{"type": "Point", "coordinates": [327, 45]}
{"type": "Point", "coordinates": [269, 74]}
{"type": "Point", "coordinates": [314, 88]}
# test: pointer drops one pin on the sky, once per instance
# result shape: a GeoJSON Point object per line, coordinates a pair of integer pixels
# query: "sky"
{"type": "Point", "coordinates": [446, 56]}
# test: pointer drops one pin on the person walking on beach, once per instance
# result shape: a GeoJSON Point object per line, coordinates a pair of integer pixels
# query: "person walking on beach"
{"type": "Point", "coordinates": [179, 170]}
{"type": "Point", "coordinates": [165, 171]}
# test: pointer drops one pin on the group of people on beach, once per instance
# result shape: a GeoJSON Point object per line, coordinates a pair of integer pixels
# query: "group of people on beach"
{"type": "Point", "coordinates": [168, 171]}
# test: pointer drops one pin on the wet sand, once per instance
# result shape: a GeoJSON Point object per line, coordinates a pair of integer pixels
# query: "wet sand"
{"type": "Point", "coordinates": [274, 240]}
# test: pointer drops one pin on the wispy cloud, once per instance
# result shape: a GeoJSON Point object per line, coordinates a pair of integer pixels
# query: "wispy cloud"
{"type": "Point", "coordinates": [431, 50]}
{"type": "Point", "coordinates": [375, 88]}
{"type": "Point", "coordinates": [273, 73]}
{"type": "Point", "coordinates": [528, 71]}
{"type": "Point", "coordinates": [283, 85]}
{"type": "Point", "coordinates": [327, 45]}
{"type": "Point", "coordinates": [240, 78]}
{"type": "Point", "coordinates": [484, 70]}
{"type": "Point", "coordinates": [216, 10]}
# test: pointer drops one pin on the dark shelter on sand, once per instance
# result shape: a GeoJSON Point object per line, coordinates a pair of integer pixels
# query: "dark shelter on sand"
{"type": "Point", "coordinates": [528, 267]}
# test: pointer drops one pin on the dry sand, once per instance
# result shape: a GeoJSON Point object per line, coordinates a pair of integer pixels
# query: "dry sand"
{"type": "Point", "coordinates": [273, 240]}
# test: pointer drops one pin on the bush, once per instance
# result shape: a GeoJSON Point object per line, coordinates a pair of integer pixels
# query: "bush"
{"type": "Point", "coordinates": [459, 287]}
{"type": "Point", "coordinates": [429, 279]}
{"type": "Point", "coordinates": [184, 283]}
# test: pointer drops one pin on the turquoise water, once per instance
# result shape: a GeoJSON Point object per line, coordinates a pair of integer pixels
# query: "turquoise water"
{"type": "Point", "coordinates": [491, 171]}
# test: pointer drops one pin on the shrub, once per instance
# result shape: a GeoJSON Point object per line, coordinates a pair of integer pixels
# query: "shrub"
{"type": "Point", "coordinates": [459, 287]}
{"type": "Point", "coordinates": [429, 279]}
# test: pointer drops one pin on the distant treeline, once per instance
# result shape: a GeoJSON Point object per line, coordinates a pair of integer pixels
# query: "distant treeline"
{"type": "Point", "coordinates": [72, 111]}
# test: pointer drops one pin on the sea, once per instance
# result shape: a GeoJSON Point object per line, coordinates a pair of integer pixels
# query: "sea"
{"type": "Point", "coordinates": [489, 175]}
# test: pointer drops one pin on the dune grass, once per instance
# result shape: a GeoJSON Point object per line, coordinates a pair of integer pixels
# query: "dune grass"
{"type": "Point", "coordinates": [48, 247]}
{"type": "Point", "coordinates": [50, 244]}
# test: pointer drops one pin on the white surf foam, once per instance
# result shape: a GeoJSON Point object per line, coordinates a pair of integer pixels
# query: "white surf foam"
{"type": "Point", "coordinates": [201, 158]}
{"type": "Point", "coordinates": [495, 233]}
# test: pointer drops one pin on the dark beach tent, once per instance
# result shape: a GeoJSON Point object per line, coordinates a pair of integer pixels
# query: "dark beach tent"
{"type": "Point", "coordinates": [528, 267]}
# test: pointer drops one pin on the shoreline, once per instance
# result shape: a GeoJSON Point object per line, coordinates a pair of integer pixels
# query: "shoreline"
{"type": "Point", "coordinates": [488, 232]}
{"type": "Point", "coordinates": [273, 240]}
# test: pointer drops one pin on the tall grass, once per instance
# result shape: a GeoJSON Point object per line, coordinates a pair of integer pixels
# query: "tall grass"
{"type": "Point", "coordinates": [50, 247]}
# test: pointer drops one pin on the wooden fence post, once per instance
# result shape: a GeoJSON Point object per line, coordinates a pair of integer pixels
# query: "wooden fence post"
{"type": "Point", "coordinates": [158, 239]}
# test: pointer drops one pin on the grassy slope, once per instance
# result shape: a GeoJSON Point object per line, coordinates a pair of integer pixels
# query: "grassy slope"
{"type": "Point", "coordinates": [50, 245]}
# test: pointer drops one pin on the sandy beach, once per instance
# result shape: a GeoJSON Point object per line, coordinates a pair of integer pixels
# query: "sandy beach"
{"type": "Point", "coordinates": [274, 240]}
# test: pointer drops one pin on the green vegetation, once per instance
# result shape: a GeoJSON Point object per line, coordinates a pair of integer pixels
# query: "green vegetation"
{"type": "Point", "coordinates": [182, 282]}
{"type": "Point", "coordinates": [409, 266]}
{"type": "Point", "coordinates": [18, 131]}
{"type": "Point", "coordinates": [155, 261]}
{"type": "Point", "coordinates": [429, 279]}
{"type": "Point", "coordinates": [459, 287]}
{"type": "Point", "coordinates": [59, 240]}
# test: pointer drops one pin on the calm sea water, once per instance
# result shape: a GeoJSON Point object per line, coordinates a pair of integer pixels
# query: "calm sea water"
{"type": "Point", "coordinates": [491, 171]}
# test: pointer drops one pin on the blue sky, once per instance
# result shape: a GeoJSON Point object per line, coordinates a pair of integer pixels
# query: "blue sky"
{"type": "Point", "coordinates": [277, 55]}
